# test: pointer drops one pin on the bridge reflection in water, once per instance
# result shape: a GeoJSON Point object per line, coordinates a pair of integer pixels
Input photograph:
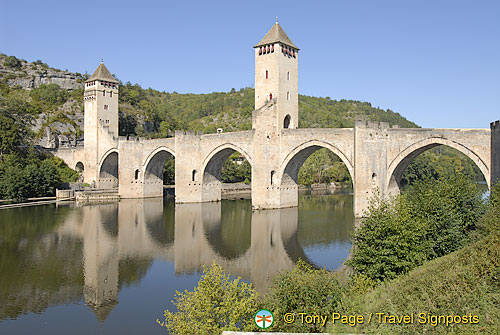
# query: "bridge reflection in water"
{"type": "Point", "coordinates": [118, 243]}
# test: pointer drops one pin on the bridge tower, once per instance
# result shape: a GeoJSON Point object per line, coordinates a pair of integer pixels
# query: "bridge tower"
{"type": "Point", "coordinates": [276, 108]}
{"type": "Point", "coordinates": [100, 120]}
{"type": "Point", "coordinates": [276, 76]}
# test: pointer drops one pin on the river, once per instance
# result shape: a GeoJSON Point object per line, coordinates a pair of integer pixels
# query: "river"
{"type": "Point", "coordinates": [114, 267]}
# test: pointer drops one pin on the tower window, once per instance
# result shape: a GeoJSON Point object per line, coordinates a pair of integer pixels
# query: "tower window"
{"type": "Point", "coordinates": [288, 76]}
{"type": "Point", "coordinates": [193, 175]}
{"type": "Point", "coordinates": [110, 94]}
{"type": "Point", "coordinates": [136, 174]}
{"type": "Point", "coordinates": [286, 122]}
{"type": "Point", "coordinates": [103, 93]}
{"type": "Point", "coordinates": [267, 74]}
{"type": "Point", "coordinates": [287, 95]}
{"type": "Point", "coordinates": [273, 177]}
{"type": "Point", "coordinates": [105, 106]}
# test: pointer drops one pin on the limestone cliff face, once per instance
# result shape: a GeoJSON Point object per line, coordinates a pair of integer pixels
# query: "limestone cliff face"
{"type": "Point", "coordinates": [31, 75]}
{"type": "Point", "coordinates": [62, 126]}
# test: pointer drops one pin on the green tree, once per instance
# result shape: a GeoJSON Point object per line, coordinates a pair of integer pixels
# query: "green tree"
{"type": "Point", "coordinates": [216, 304]}
{"type": "Point", "coordinates": [432, 219]}
{"type": "Point", "coordinates": [302, 290]}
{"type": "Point", "coordinates": [50, 94]}
{"type": "Point", "coordinates": [12, 62]}
{"type": "Point", "coordinates": [10, 135]}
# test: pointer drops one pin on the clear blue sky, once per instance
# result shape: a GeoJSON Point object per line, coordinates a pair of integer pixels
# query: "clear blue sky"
{"type": "Point", "coordinates": [436, 62]}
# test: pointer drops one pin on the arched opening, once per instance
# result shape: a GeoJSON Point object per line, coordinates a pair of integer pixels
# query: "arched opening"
{"type": "Point", "coordinates": [108, 172]}
{"type": "Point", "coordinates": [227, 171]}
{"type": "Point", "coordinates": [286, 121]}
{"type": "Point", "coordinates": [159, 174]}
{"type": "Point", "coordinates": [79, 167]}
{"type": "Point", "coordinates": [315, 167]}
{"type": "Point", "coordinates": [325, 203]}
{"type": "Point", "coordinates": [432, 160]}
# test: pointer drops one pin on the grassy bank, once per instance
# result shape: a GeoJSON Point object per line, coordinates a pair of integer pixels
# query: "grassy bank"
{"type": "Point", "coordinates": [462, 283]}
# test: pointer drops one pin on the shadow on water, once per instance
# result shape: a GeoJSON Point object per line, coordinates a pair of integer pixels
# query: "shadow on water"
{"type": "Point", "coordinates": [90, 255]}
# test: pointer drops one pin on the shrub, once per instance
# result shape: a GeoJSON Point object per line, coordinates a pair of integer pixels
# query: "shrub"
{"type": "Point", "coordinates": [12, 62]}
{"type": "Point", "coordinates": [302, 290]}
{"type": "Point", "coordinates": [51, 94]}
{"type": "Point", "coordinates": [216, 304]}
{"type": "Point", "coordinates": [432, 219]}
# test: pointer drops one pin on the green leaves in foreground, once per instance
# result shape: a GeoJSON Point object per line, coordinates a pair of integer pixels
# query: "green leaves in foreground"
{"type": "Point", "coordinates": [302, 290]}
{"type": "Point", "coordinates": [431, 220]}
{"type": "Point", "coordinates": [216, 304]}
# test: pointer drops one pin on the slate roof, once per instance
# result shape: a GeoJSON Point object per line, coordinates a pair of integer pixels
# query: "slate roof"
{"type": "Point", "coordinates": [276, 34]}
{"type": "Point", "coordinates": [102, 73]}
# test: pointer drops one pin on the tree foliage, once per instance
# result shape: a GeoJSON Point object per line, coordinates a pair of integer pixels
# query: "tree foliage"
{"type": "Point", "coordinates": [439, 162]}
{"type": "Point", "coordinates": [12, 62]}
{"type": "Point", "coordinates": [432, 219]}
{"type": "Point", "coordinates": [323, 166]}
{"type": "Point", "coordinates": [216, 304]}
{"type": "Point", "coordinates": [302, 290]}
{"type": "Point", "coordinates": [236, 171]}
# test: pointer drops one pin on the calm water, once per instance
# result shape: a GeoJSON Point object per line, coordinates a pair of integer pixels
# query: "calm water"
{"type": "Point", "coordinates": [114, 268]}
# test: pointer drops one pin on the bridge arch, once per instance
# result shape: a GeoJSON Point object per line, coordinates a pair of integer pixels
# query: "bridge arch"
{"type": "Point", "coordinates": [154, 163]}
{"type": "Point", "coordinates": [398, 165]}
{"type": "Point", "coordinates": [108, 169]}
{"type": "Point", "coordinates": [289, 168]}
{"type": "Point", "coordinates": [212, 165]}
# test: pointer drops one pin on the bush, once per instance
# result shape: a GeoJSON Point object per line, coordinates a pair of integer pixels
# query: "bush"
{"type": "Point", "coordinates": [216, 304]}
{"type": "Point", "coordinates": [461, 283]}
{"type": "Point", "coordinates": [50, 94]}
{"type": "Point", "coordinates": [302, 290]}
{"type": "Point", "coordinates": [31, 177]}
{"type": "Point", "coordinates": [12, 62]}
{"type": "Point", "coordinates": [432, 219]}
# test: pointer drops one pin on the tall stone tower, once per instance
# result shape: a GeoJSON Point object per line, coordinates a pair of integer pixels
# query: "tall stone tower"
{"type": "Point", "coordinates": [276, 76]}
{"type": "Point", "coordinates": [276, 108]}
{"type": "Point", "coordinates": [100, 118]}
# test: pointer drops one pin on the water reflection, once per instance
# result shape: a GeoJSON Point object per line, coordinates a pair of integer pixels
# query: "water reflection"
{"type": "Point", "coordinates": [56, 255]}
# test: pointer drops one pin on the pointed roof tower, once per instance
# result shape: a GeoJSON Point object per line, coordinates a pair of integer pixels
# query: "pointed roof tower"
{"type": "Point", "coordinates": [274, 35]}
{"type": "Point", "coordinates": [102, 73]}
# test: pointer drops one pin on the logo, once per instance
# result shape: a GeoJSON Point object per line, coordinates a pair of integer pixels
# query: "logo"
{"type": "Point", "coordinates": [263, 319]}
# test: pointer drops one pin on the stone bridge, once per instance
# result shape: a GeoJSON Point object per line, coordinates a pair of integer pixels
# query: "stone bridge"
{"type": "Point", "coordinates": [375, 154]}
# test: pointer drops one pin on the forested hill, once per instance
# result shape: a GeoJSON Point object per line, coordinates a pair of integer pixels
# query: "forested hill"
{"type": "Point", "coordinates": [53, 99]}
{"type": "Point", "coordinates": [233, 111]}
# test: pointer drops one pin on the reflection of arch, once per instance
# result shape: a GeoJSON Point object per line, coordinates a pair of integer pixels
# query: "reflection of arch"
{"type": "Point", "coordinates": [405, 157]}
{"type": "Point", "coordinates": [108, 170]}
{"type": "Point", "coordinates": [160, 222]}
{"type": "Point", "coordinates": [79, 167]}
{"type": "Point", "coordinates": [154, 164]}
{"type": "Point", "coordinates": [289, 169]}
{"type": "Point", "coordinates": [213, 163]}
{"type": "Point", "coordinates": [230, 234]}
{"type": "Point", "coordinates": [287, 121]}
